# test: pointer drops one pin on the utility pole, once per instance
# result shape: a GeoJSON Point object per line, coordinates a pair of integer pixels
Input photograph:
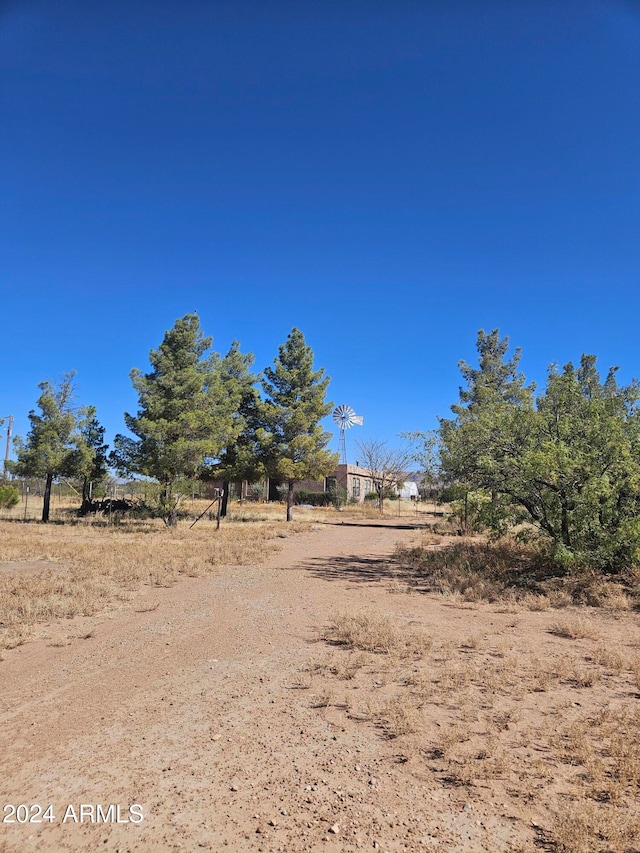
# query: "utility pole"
{"type": "Point", "coordinates": [6, 452]}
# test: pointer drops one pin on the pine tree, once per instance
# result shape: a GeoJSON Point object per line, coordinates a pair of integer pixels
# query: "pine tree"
{"type": "Point", "coordinates": [496, 380]}
{"type": "Point", "coordinates": [238, 460]}
{"type": "Point", "coordinates": [184, 417]}
{"type": "Point", "coordinates": [293, 444]}
{"type": "Point", "coordinates": [490, 428]}
{"type": "Point", "coordinates": [93, 464]}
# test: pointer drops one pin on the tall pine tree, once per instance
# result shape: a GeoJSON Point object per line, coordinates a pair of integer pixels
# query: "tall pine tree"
{"type": "Point", "coordinates": [293, 444]}
{"type": "Point", "coordinates": [238, 460]}
{"type": "Point", "coordinates": [93, 463]}
{"type": "Point", "coordinates": [184, 416]}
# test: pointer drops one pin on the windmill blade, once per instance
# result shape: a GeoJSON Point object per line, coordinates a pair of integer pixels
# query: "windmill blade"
{"type": "Point", "coordinates": [342, 416]}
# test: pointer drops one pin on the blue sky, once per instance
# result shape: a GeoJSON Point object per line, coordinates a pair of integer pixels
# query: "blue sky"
{"type": "Point", "coordinates": [389, 177]}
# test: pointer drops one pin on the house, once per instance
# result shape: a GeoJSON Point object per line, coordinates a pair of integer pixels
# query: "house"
{"type": "Point", "coordinates": [357, 482]}
{"type": "Point", "coordinates": [351, 481]}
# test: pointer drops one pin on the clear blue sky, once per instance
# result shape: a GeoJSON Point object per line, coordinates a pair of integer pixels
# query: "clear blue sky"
{"type": "Point", "coordinates": [387, 176]}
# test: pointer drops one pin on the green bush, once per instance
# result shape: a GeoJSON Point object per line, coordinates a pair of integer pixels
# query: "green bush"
{"type": "Point", "coordinates": [9, 496]}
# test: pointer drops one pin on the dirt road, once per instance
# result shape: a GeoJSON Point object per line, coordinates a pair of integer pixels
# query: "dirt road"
{"type": "Point", "coordinates": [187, 714]}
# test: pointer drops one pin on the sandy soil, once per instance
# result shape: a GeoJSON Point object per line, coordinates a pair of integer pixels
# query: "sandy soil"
{"type": "Point", "coordinates": [190, 705]}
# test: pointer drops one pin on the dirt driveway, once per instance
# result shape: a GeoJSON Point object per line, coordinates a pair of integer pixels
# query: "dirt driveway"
{"type": "Point", "coordinates": [187, 714]}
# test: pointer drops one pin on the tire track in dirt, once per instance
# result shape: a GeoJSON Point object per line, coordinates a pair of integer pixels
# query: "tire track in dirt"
{"type": "Point", "coordinates": [192, 711]}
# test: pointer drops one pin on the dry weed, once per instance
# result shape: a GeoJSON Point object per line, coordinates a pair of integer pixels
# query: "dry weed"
{"type": "Point", "coordinates": [514, 574]}
{"type": "Point", "coordinates": [574, 629]}
{"type": "Point", "coordinates": [588, 827]}
{"type": "Point", "coordinates": [375, 632]}
{"type": "Point", "coordinates": [608, 658]}
{"type": "Point", "coordinates": [535, 602]}
{"type": "Point", "coordinates": [88, 568]}
{"type": "Point", "coordinates": [399, 717]}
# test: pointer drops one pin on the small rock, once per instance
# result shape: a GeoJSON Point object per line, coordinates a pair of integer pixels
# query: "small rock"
{"type": "Point", "coordinates": [234, 787]}
{"type": "Point", "coordinates": [335, 829]}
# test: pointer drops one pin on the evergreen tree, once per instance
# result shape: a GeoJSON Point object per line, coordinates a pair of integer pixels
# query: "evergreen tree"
{"type": "Point", "coordinates": [581, 474]}
{"type": "Point", "coordinates": [491, 428]}
{"type": "Point", "coordinates": [566, 464]}
{"type": "Point", "coordinates": [184, 418]}
{"type": "Point", "coordinates": [238, 460]}
{"type": "Point", "coordinates": [53, 447]}
{"type": "Point", "coordinates": [93, 464]}
{"type": "Point", "coordinates": [496, 380]}
{"type": "Point", "coordinates": [293, 444]}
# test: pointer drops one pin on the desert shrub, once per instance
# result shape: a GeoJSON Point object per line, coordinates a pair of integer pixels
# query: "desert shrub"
{"type": "Point", "coordinates": [515, 570]}
{"type": "Point", "coordinates": [371, 631]}
{"type": "Point", "coordinates": [9, 496]}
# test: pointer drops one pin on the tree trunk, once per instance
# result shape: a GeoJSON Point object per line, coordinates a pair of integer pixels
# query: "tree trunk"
{"type": "Point", "coordinates": [564, 526]}
{"type": "Point", "coordinates": [47, 498]}
{"type": "Point", "coordinates": [85, 507]}
{"type": "Point", "coordinates": [170, 507]}
{"type": "Point", "coordinates": [225, 498]}
{"type": "Point", "coordinates": [466, 512]}
{"type": "Point", "coordinates": [290, 500]}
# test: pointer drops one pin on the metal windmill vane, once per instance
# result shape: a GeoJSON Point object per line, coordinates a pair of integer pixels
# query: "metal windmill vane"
{"type": "Point", "coordinates": [344, 417]}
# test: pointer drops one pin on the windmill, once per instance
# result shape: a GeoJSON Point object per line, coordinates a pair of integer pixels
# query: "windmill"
{"type": "Point", "coordinates": [344, 417]}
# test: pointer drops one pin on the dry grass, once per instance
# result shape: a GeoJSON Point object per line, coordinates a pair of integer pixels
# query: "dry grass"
{"type": "Point", "coordinates": [574, 629]}
{"type": "Point", "coordinates": [555, 732]}
{"type": "Point", "coordinates": [50, 572]}
{"type": "Point", "coordinates": [514, 574]}
{"type": "Point", "coordinates": [371, 631]}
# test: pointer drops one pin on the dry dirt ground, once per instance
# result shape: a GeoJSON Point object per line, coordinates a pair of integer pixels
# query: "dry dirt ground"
{"type": "Point", "coordinates": [217, 708]}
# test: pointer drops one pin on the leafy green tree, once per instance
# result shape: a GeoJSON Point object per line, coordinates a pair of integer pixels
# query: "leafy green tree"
{"type": "Point", "coordinates": [566, 463]}
{"type": "Point", "coordinates": [184, 419]}
{"type": "Point", "coordinates": [53, 447]}
{"type": "Point", "coordinates": [580, 476]}
{"type": "Point", "coordinates": [292, 443]}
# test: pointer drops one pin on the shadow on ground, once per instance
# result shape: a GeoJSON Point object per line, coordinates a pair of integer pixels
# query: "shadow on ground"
{"type": "Point", "coordinates": [357, 568]}
{"type": "Point", "coordinates": [387, 525]}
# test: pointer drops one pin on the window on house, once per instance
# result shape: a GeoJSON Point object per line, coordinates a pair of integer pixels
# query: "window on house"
{"type": "Point", "coordinates": [355, 487]}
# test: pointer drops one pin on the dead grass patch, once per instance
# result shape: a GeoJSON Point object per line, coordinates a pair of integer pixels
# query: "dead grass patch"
{"type": "Point", "coordinates": [399, 717]}
{"type": "Point", "coordinates": [514, 573]}
{"type": "Point", "coordinates": [371, 631]}
{"type": "Point", "coordinates": [555, 733]}
{"type": "Point", "coordinates": [574, 629]}
{"type": "Point", "coordinates": [93, 568]}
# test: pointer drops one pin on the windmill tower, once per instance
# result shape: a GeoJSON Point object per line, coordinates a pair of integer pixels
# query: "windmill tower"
{"type": "Point", "coordinates": [344, 417]}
